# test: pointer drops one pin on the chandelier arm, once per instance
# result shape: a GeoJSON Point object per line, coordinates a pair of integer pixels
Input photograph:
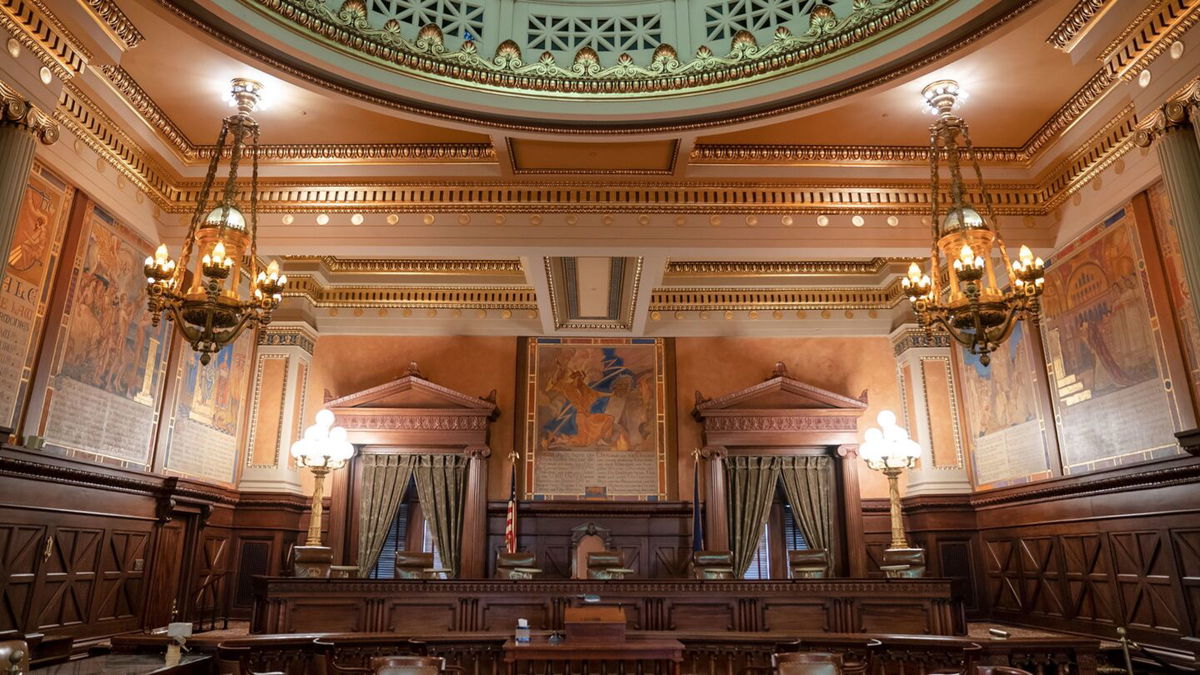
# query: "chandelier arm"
{"type": "Point", "coordinates": [189, 239]}
{"type": "Point", "coordinates": [254, 155]}
{"type": "Point", "coordinates": [989, 209]}
{"type": "Point", "coordinates": [934, 200]}
{"type": "Point", "coordinates": [189, 333]}
{"type": "Point", "coordinates": [1006, 328]}
{"type": "Point", "coordinates": [959, 337]}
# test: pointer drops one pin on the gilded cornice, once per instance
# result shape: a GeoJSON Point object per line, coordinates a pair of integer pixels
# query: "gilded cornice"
{"type": "Point", "coordinates": [94, 128]}
{"type": "Point", "coordinates": [39, 31]}
{"type": "Point", "coordinates": [919, 338]}
{"type": "Point", "coordinates": [792, 268]}
{"type": "Point", "coordinates": [783, 299]}
{"type": "Point", "coordinates": [114, 21]}
{"type": "Point", "coordinates": [20, 112]}
{"type": "Point", "coordinates": [836, 154]}
{"type": "Point", "coordinates": [411, 297]}
{"type": "Point", "coordinates": [287, 336]}
{"type": "Point", "coordinates": [187, 151]}
{"type": "Point", "coordinates": [1148, 36]}
{"type": "Point", "coordinates": [427, 56]}
{"type": "Point", "coordinates": [1096, 154]}
{"type": "Point", "coordinates": [1074, 24]}
{"type": "Point", "coordinates": [421, 266]}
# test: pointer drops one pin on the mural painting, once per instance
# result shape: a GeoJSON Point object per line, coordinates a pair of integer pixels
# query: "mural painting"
{"type": "Point", "coordinates": [209, 408]}
{"type": "Point", "coordinates": [108, 370]}
{"type": "Point", "coordinates": [27, 282]}
{"type": "Point", "coordinates": [1005, 419]}
{"type": "Point", "coordinates": [597, 428]}
{"type": "Point", "coordinates": [1105, 362]}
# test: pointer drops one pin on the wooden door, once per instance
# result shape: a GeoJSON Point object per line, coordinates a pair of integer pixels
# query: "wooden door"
{"type": "Point", "coordinates": [165, 594]}
{"type": "Point", "coordinates": [22, 547]}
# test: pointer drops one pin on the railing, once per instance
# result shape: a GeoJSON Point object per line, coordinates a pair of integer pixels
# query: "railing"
{"type": "Point", "coordinates": [705, 653]}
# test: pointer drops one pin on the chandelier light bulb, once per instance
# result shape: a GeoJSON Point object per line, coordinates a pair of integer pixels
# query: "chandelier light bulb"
{"type": "Point", "coordinates": [886, 418]}
{"type": "Point", "coordinates": [325, 418]}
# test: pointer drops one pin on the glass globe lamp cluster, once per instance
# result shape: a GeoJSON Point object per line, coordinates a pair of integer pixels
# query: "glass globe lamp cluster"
{"type": "Point", "coordinates": [889, 450]}
{"type": "Point", "coordinates": [323, 445]}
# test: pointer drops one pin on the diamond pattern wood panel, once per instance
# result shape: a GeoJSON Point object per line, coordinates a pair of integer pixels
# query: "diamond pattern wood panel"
{"type": "Point", "coordinates": [20, 548]}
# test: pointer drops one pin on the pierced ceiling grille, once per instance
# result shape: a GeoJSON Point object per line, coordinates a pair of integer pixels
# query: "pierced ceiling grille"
{"type": "Point", "coordinates": [604, 34]}
{"type": "Point", "coordinates": [725, 18]}
{"type": "Point", "coordinates": [457, 18]}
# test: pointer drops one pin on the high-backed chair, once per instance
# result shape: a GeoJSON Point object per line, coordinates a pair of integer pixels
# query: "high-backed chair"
{"type": "Point", "coordinates": [517, 565]}
{"type": "Point", "coordinates": [606, 565]}
{"type": "Point", "coordinates": [810, 564]}
{"type": "Point", "coordinates": [712, 564]}
{"type": "Point", "coordinates": [807, 663]}
{"type": "Point", "coordinates": [14, 653]}
{"type": "Point", "coordinates": [413, 564]}
{"type": "Point", "coordinates": [904, 563]}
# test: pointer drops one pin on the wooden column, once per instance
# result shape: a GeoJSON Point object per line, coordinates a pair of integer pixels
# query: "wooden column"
{"type": "Point", "coordinates": [475, 552]}
{"type": "Point", "coordinates": [856, 550]}
{"type": "Point", "coordinates": [716, 509]}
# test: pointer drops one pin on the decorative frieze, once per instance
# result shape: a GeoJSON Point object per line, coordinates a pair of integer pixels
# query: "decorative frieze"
{"type": "Point", "coordinates": [782, 423]}
{"type": "Point", "coordinates": [118, 25]}
{"type": "Point", "coordinates": [37, 29]}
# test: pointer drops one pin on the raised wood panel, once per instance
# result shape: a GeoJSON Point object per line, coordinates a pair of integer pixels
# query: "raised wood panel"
{"type": "Point", "coordinates": [64, 592]}
{"type": "Point", "coordinates": [1088, 578]}
{"type": "Point", "coordinates": [120, 586]}
{"type": "Point", "coordinates": [416, 615]}
{"type": "Point", "coordinates": [502, 616]}
{"type": "Point", "coordinates": [1144, 581]}
{"type": "Point", "coordinates": [890, 617]}
{"type": "Point", "coordinates": [1041, 576]}
{"type": "Point", "coordinates": [210, 590]}
{"type": "Point", "coordinates": [699, 615]}
{"type": "Point", "coordinates": [1187, 547]}
{"type": "Point", "coordinates": [320, 615]}
{"type": "Point", "coordinates": [21, 547]}
{"type": "Point", "coordinates": [796, 615]}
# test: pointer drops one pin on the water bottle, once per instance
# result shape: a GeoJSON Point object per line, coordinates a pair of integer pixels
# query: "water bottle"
{"type": "Point", "coordinates": [522, 636]}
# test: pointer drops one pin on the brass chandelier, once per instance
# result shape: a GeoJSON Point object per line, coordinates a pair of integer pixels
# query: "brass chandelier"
{"type": "Point", "coordinates": [973, 308]}
{"type": "Point", "coordinates": [207, 305]}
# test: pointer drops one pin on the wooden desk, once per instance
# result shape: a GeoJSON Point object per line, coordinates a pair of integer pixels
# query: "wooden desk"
{"type": "Point", "coordinates": [640, 654]}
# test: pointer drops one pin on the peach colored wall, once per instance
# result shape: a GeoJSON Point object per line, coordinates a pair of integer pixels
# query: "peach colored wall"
{"type": "Point", "coordinates": [717, 366]}
{"type": "Point", "coordinates": [344, 364]}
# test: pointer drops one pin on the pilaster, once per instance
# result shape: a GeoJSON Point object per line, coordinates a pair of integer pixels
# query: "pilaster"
{"type": "Point", "coordinates": [277, 415]}
{"type": "Point", "coordinates": [22, 125]}
{"type": "Point", "coordinates": [930, 411]}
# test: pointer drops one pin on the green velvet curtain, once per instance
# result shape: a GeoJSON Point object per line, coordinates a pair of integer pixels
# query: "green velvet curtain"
{"type": "Point", "coordinates": [384, 479]}
{"type": "Point", "coordinates": [442, 488]}
{"type": "Point", "coordinates": [750, 488]}
{"type": "Point", "coordinates": [808, 482]}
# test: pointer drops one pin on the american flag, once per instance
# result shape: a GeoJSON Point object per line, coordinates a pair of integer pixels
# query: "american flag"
{"type": "Point", "coordinates": [510, 519]}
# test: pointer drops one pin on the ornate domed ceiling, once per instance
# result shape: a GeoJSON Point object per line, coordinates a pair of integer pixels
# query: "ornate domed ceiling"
{"type": "Point", "coordinates": [656, 64]}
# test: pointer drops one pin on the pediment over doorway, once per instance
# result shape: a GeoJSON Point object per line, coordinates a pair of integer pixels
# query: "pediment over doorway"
{"type": "Point", "coordinates": [781, 409]}
{"type": "Point", "coordinates": [412, 410]}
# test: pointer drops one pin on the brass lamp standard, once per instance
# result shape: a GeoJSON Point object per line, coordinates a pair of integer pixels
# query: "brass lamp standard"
{"type": "Point", "coordinates": [889, 450]}
{"type": "Point", "coordinates": [322, 449]}
{"type": "Point", "coordinates": [212, 311]}
{"type": "Point", "coordinates": [974, 309]}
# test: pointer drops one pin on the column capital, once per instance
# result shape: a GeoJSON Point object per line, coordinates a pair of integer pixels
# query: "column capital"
{"type": "Point", "coordinates": [19, 112]}
{"type": "Point", "coordinates": [478, 452]}
{"type": "Point", "coordinates": [1181, 109]}
{"type": "Point", "coordinates": [288, 334]}
{"type": "Point", "coordinates": [713, 452]}
{"type": "Point", "coordinates": [911, 336]}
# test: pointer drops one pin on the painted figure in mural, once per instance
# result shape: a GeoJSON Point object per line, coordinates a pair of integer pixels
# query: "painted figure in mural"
{"type": "Point", "coordinates": [108, 330]}
{"type": "Point", "coordinates": [597, 398]}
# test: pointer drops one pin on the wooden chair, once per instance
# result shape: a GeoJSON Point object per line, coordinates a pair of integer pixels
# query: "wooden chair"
{"type": "Point", "coordinates": [712, 564]}
{"type": "Point", "coordinates": [410, 665]}
{"type": "Point", "coordinates": [904, 563]}
{"type": "Point", "coordinates": [518, 565]}
{"type": "Point", "coordinates": [810, 564]}
{"type": "Point", "coordinates": [241, 656]}
{"type": "Point", "coordinates": [413, 564]}
{"type": "Point", "coordinates": [367, 651]}
{"type": "Point", "coordinates": [606, 565]}
{"type": "Point", "coordinates": [14, 654]}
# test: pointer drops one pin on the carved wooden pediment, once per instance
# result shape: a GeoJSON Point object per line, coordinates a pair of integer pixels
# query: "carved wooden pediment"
{"type": "Point", "coordinates": [411, 409]}
{"type": "Point", "coordinates": [780, 410]}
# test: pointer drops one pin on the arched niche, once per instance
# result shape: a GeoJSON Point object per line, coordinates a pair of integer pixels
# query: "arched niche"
{"type": "Point", "coordinates": [786, 417]}
{"type": "Point", "coordinates": [411, 415]}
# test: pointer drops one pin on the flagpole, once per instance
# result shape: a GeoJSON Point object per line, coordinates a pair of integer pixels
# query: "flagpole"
{"type": "Point", "coordinates": [697, 525]}
{"type": "Point", "coordinates": [510, 519]}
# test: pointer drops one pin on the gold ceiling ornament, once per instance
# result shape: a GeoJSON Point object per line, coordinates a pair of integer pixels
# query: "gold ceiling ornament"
{"type": "Point", "coordinates": [426, 54]}
{"type": "Point", "coordinates": [211, 312]}
{"type": "Point", "coordinates": [974, 309]}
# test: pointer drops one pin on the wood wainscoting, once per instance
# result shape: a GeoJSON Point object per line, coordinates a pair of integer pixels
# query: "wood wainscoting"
{"type": "Point", "coordinates": [88, 551]}
{"type": "Point", "coordinates": [916, 606]}
{"type": "Point", "coordinates": [1085, 554]}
